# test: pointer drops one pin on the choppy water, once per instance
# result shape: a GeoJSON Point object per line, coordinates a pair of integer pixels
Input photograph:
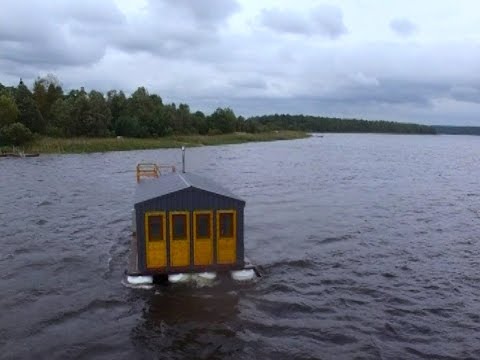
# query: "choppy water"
{"type": "Point", "coordinates": [369, 246]}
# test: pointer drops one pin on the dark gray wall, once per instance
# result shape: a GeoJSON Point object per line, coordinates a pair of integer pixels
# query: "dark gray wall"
{"type": "Point", "coordinates": [189, 200]}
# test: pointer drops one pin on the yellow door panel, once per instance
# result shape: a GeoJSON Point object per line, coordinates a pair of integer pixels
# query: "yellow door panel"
{"type": "Point", "coordinates": [226, 236]}
{"type": "Point", "coordinates": [155, 239]}
{"type": "Point", "coordinates": [203, 237]}
{"type": "Point", "coordinates": [179, 239]}
{"type": "Point", "coordinates": [156, 256]}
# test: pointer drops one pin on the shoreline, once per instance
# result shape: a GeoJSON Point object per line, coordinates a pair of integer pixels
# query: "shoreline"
{"type": "Point", "coordinates": [47, 145]}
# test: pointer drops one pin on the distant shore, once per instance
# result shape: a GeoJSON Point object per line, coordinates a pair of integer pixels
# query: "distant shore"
{"type": "Point", "coordinates": [47, 145]}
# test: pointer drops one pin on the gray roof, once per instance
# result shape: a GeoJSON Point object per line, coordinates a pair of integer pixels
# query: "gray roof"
{"type": "Point", "coordinates": [169, 183]}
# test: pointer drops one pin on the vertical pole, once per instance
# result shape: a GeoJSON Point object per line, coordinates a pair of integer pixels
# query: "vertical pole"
{"type": "Point", "coordinates": [183, 159]}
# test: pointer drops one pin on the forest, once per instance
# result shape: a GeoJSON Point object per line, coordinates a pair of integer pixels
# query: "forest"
{"type": "Point", "coordinates": [326, 124]}
{"type": "Point", "coordinates": [457, 130]}
{"type": "Point", "coordinates": [47, 110]}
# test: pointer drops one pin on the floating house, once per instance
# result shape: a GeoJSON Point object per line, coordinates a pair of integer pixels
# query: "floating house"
{"type": "Point", "coordinates": [184, 223]}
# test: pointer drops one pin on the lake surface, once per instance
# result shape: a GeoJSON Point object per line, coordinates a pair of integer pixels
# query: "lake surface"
{"type": "Point", "coordinates": [369, 247]}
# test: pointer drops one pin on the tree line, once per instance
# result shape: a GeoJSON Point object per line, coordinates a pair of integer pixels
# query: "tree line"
{"type": "Point", "coordinates": [326, 124]}
{"type": "Point", "coordinates": [48, 110]}
{"type": "Point", "coordinates": [457, 130]}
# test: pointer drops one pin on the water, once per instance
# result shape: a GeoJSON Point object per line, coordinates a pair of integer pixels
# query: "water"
{"type": "Point", "coordinates": [369, 246]}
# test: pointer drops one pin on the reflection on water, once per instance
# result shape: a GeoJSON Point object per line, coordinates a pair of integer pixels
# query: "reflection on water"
{"type": "Point", "coordinates": [182, 320]}
{"type": "Point", "coordinates": [178, 303]}
{"type": "Point", "coordinates": [368, 245]}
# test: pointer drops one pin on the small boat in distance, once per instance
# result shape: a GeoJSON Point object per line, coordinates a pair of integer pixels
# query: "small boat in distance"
{"type": "Point", "coordinates": [185, 225]}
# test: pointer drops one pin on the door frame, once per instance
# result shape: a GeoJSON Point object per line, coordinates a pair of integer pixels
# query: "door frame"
{"type": "Point", "coordinates": [209, 239]}
{"type": "Point", "coordinates": [187, 238]}
{"type": "Point", "coordinates": [233, 237]}
{"type": "Point", "coordinates": [149, 214]}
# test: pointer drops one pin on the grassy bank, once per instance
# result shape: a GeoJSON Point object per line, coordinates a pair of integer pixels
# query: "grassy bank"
{"type": "Point", "coordinates": [88, 145]}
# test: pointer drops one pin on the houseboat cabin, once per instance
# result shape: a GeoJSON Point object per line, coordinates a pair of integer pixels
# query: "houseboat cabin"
{"type": "Point", "coordinates": [184, 223]}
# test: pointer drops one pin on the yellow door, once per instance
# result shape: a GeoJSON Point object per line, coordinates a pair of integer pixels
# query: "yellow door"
{"type": "Point", "coordinates": [179, 239]}
{"type": "Point", "coordinates": [155, 238]}
{"type": "Point", "coordinates": [226, 236]}
{"type": "Point", "coordinates": [203, 237]}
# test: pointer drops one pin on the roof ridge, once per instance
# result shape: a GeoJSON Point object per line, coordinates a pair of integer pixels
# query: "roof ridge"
{"type": "Point", "coordinates": [168, 184]}
{"type": "Point", "coordinates": [185, 181]}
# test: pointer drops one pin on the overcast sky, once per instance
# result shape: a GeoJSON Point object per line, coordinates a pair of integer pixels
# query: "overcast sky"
{"type": "Point", "coordinates": [404, 60]}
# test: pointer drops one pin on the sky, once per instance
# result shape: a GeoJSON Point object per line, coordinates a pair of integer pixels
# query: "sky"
{"type": "Point", "coordinates": [398, 60]}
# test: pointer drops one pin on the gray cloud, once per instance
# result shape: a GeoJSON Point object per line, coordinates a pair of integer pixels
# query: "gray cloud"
{"type": "Point", "coordinates": [323, 20]}
{"type": "Point", "coordinates": [285, 21]}
{"type": "Point", "coordinates": [378, 100]}
{"type": "Point", "coordinates": [446, 114]}
{"type": "Point", "coordinates": [164, 41]}
{"type": "Point", "coordinates": [79, 33]}
{"type": "Point", "coordinates": [66, 34]}
{"type": "Point", "coordinates": [250, 83]}
{"type": "Point", "coordinates": [59, 51]}
{"type": "Point", "coordinates": [390, 91]}
{"type": "Point", "coordinates": [465, 93]}
{"type": "Point", "coordinates": [175, 28]}
{"type": "Point", "coordinates": [190, 51]}
{"type": "Point", "coordinates": [208, 11]}
{"type": "Point", "coordinates": [91, 12]}
{"type": "Point", "coordinates": [403, 27]}
{"type": "Point", "coordinates": [329, 21]}
{"type": "Point", "coordinates": [11, 71]}
{"type": "Point", "coordinates": [18, 24]}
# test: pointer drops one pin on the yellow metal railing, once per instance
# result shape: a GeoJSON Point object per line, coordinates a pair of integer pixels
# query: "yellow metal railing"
{"type": "Point", "coordinates": [151, 170]}
{"type": "Point", "coordinates": [171, 167]}
{"type": "Point", "coordinates": [147, 170]}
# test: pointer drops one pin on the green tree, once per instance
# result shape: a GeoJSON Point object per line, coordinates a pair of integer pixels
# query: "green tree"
{"type": "Point", "coordinates": [81, 118]}
{"type": "Point", "coordinates": [40, 97]}
{"type": "Point", "coordinates": [128, 126]}
{"type": "Point", "coordinates": [141, 104]}
{"type": "Point", "coordinates": [15, 134]}
{"type": "Point", "coordinates": [200, 122]}
{"type": "Point", "coordinates": [90, 115]}
{"type": "Point", "coordinates": [223, 120]}
{"type": "Point", "coordinates": [170, 115]}
{"type": "Point", "coordinates": [74, 93]}
{"type": "Point", "coordinates": [29, 115]}
{"type": "Point", "coordinates": [251, 126]}
{"type": "Point", "coordinates": [324, 124]}
{"type": "Point", "coordinates": [100, 113]}
{"type": "Point", "coordinates": [183, 122]}
{"type": "Point", "coordinates": [8, 90]}
{"type": "Point", "coordinates": [240, 124]}
{"type": "Point", "coordinates": [62, 121]}
{"type": "Point", "coordinates": [149, 111]}
{"type": "Point", "coordinates": [117, 103]}
{"type": "Point", "coordinates": [54, 93]}
{"type": "Point", "coordinates": [159, 125]}
{"type": "Point", "coordinates": [46, 91]}
{"type": "Point", "coordinates": [8, 111]}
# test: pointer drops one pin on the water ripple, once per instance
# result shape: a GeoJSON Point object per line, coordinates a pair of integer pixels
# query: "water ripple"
{"type": "Point", "coordinates": [368, 246]}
